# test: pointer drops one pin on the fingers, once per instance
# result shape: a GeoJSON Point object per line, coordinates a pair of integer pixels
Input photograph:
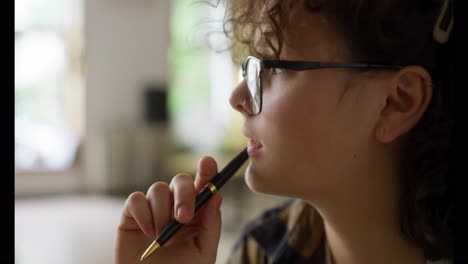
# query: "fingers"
{"type": "Point", "coordinates": [184, 193]}
{"type": "Point", "coordinates": [137, 209]}
{"type": "Point", "coordinates": [207, 169]}
{"type": "Point", "coordinates": [160, 199]}
{"type": "Point", "coordinates": [210, 216]}
{"type": "Point", "coordinates": [152, 212]}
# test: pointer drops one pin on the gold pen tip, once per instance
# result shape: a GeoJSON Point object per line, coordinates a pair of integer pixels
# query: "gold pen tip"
{"type": "Point", "coordinates": [155, 245]}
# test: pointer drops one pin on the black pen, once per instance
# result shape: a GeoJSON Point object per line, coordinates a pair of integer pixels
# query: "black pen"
{"type": "Point", "coordinates": [203, 196]}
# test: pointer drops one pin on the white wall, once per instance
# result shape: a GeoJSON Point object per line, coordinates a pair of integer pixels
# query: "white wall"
{"type": "Point", "coordinates": [125, 47]}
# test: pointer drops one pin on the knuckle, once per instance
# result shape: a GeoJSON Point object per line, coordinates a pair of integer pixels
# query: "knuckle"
{"type": "Point", "coordinates": [181, 177]}
{"type": "Point", "coordinates": [158, 187]}
{"type": "Point", "coordinates": [135, 197]}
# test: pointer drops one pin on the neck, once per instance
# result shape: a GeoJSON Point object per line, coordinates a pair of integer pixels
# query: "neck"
{"type": "Point", "coordinates": [368, 239]}
{"type": "Point", "coordinates": [362, 220]}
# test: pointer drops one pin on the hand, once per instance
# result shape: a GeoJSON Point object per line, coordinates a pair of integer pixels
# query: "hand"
{"type": "Point", "coordinates": [145, 216]}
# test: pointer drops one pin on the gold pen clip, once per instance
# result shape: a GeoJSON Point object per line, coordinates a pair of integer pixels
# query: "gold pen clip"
{"type": "Point", "coordinates": [211, 187]}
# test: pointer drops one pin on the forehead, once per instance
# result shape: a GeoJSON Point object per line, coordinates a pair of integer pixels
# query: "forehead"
{"type": "Point", "coordinates": [305, 36]}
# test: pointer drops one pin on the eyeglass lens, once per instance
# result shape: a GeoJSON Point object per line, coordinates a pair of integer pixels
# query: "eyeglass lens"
{"type": "Point", "coordinates": [253, 83]}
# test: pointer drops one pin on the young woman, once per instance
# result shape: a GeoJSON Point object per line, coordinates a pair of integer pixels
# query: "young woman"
{"type": "Point", "coordinates": [346, 105]}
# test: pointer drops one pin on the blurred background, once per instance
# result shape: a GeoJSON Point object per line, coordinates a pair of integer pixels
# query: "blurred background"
{"type": "Point", "coordinates": [111, 96]}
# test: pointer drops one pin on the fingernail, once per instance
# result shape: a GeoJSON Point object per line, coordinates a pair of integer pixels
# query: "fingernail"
{"type": "Point", "coordinates": [184, 211]}
{"type": "Point", "coordinates": [199, 164]}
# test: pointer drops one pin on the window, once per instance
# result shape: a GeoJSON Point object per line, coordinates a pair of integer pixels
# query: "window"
{"type": "Point", "coordinates": [49, 88]}
{"type": "Point", "coordinates": [202, 80]}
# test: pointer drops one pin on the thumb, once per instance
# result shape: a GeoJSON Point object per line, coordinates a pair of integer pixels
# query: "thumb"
{"type": "Point", "coordinates": [207, 169]}
{"type": "Point", "coordinates": [210, 223]}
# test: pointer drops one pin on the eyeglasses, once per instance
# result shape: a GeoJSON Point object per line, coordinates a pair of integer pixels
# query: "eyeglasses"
{"type": "Point", "coordinates": [253, 68]}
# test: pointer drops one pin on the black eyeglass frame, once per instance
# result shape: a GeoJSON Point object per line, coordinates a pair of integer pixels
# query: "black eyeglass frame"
{"type": "Point", "coordinates": [302, 66]}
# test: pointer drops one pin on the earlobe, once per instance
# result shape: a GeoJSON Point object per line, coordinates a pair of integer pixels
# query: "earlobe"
{"type": "Point", "coordinates": [408, 97]}
{"type": "Point", "coordinates": [383, 136]}
{"type": "Point", "coordinates": [386, 133]}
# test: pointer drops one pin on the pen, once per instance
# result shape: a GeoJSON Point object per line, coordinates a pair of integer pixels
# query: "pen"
{"type": "Point", "coordinates": [203, 196]}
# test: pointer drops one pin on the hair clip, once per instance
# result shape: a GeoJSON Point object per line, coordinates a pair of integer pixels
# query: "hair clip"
{"type": "Point", "coordinates": [444, 23]}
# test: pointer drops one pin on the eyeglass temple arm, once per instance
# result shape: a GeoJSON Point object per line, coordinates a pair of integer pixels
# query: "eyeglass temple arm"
{"type": "Point", "coordinates": [299, 66]}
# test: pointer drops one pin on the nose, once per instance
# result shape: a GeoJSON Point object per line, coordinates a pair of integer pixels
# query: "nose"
{"type": "Point", "coordinates": [240, 99]}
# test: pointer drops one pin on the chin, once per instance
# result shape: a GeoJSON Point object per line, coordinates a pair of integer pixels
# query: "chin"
{"type": "Point", "coordinates": [252, 179]}
{"type": "Point", "coordinates": [253, 185]}
{"type": "Point", "coordinates": [258, 183]}
{"type": "Point", "coordinates": [278, 183]}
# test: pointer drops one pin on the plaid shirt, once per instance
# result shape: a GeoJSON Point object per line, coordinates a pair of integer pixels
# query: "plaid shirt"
{"type": "Point", "coordinates": [290, 233]}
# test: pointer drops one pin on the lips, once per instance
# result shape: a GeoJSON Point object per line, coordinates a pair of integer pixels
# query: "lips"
{"type": "Point", "coordinates": [253, 145]}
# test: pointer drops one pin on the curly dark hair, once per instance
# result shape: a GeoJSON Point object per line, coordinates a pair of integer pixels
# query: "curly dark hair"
{"type": "Point", "coordinates": [393, 32]}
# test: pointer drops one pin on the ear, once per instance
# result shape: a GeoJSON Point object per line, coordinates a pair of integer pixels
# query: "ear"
{"type": "Point", "coordinates": [407, 98]}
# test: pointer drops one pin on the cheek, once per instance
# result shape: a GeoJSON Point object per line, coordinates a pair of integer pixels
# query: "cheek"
{"type": "Point", "coordinates": [284, 116]}
{"type": "Point", "coordinates": [314, 138]}
{"type": "Point", "coordinates": [298, 117]}
{"type": "Point", "coordinates": [296, 134]}
{"type": "Point", "coordinates": [308, 137]}
{"type": "Point", "coordinates": [348, 138]}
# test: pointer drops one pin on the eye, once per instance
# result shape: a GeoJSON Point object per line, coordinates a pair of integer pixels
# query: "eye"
{"type": "Point", "coordinates": [276, 70]}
